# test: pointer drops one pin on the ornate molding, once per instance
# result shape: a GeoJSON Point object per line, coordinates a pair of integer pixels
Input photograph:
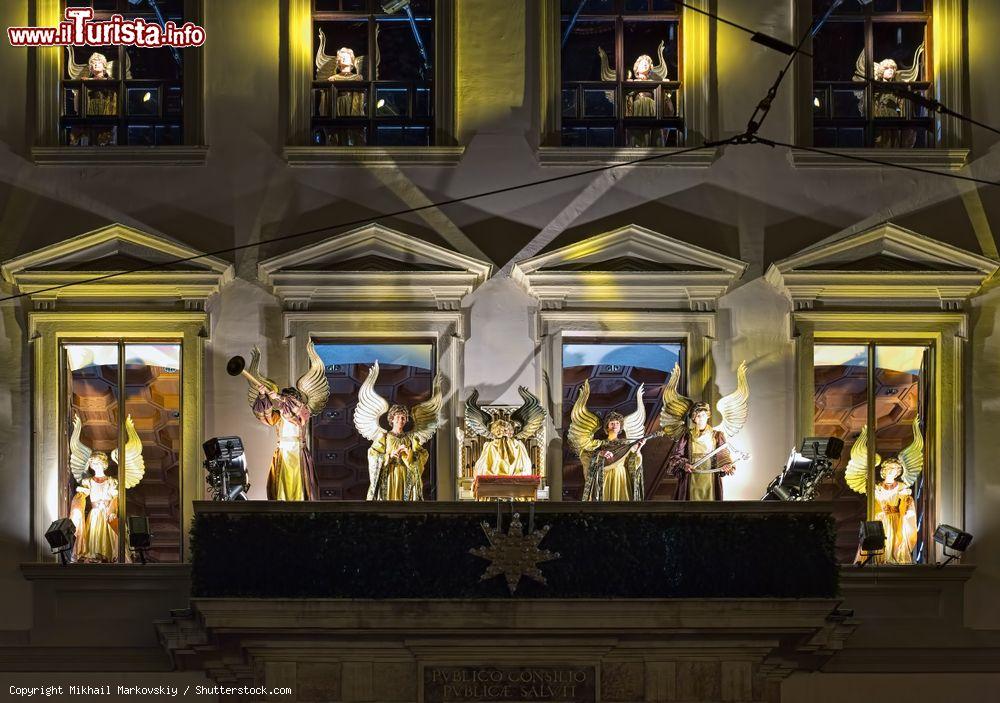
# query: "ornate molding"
{"type": "Point", "coordinates": [590, 156]}
{"type": "Point", "coordinates": [390, 157]}
{"type": "Point", "coordinates": [943, 159]}
{"type": "Point", "coordinates": [120, 156]}
{"type": "Point", "coordinates": [884, 267]}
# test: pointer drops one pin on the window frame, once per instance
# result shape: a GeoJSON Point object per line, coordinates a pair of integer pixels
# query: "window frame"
{"type": "Point", "coordinates": [299, 151]}
{"type": "Point", "coordinates": [48, 149]}
{"type": "Point", "coordinates": [48, 332]}
{"type": "Point", "coordinates": [945, 333]}
{"type": "Point", "coordinates": [947, 63]}
{"type": "Point", "coordinates": [697, 67]}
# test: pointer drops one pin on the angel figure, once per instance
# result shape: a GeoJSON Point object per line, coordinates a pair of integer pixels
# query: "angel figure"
{"type": "Point", "coordinates": [641, 103]}
{"type": "Point", "coordinates": [504, 452]}
{"type": "Point", "coordinates": [344, 66]}
{"type": "Point", "coordinates": [612, 466]}
{"type": "Point", "coordinates": [97, 68]}
{"type": "Point", "coordinates": [397, 458]}
{"type": "Point", "coordinates": [893, 494]}
{"type": "Point", "coordinates": [701, 454]}
{"type": "Point", "coordinates": [97, 528]}
{"type": "Point", "coordinates": [291, 475]}
{"type": "Point", "coordinates": [889, 104]}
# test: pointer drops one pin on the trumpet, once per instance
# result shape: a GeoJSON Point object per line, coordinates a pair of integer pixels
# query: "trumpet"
{"type": "Point", "coordinates": [237, 366]}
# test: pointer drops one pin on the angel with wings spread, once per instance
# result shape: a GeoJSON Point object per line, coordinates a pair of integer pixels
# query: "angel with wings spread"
{"type": "Point", "coordinates": [639, 103]}
{"type": "Point", "coordinates": [701, 455]}
{"type": "Point", "coordinates": [97, 528]}
{"type": "Point", "coordinates": [397, 458]}
{"type": "Point", "coordinates": [97, 68]}
{"type": "Point", "coordinates": [612, 466]}
{"type": "Point", "coordinates": [894, 505]}
{"type": "Point", "coordinates": [344, 66]}
{"type": "Point", "coordinates": [504, 452]}
{"type": "Point", "coordinates": [887, 103]}
{"type": "Point", "coordinates": [291, 475]}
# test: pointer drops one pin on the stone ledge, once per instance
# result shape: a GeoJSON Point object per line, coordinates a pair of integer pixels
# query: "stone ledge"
{"type": "Point", "coordinates": [657, 158]}
{"type": "Point", "coordinates": [320, 156]}
{"type": "Point", "coordinates": [120, 155]}
{"type": "Point", "coordinates": [943, 159]}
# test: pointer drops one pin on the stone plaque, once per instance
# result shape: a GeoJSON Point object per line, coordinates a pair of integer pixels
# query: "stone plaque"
{"type": "Point", "coordinates": [548, 683]}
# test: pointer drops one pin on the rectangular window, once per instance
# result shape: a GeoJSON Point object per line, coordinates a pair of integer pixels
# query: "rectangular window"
{"type": "Point", "coordinates": [850, 397]}
{"type": "Point", "coordinates": [123, 95]}
{"type": "Point", "coordinates": [374, 71]}
{"type": "Point", "coordinates": [406, 374]}
{"type": "Point", "coordinates": [621, 73]}
{"type": "Point", "coordinates": [615, 370]}
{"type": "Point", "coordinates": [122, 399]}
{"type": "Point", "coordinates": [884, 41]}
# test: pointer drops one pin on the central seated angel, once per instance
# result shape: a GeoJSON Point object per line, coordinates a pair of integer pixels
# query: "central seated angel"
{"type": "Point", "coordinates": [504, 452]}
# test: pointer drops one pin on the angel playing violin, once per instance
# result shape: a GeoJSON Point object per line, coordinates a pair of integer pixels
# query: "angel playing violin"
{"type": "Point", "coordinates": [701, 455]}
{"type": "Point", "coordinates": [893, 494]}
{"type": "Point", "coordinates": [612, 466]}
{"type": "Point", "coordinates": [291, 475]}
{"type": "Point", "coordinates": [396, 458]}
{"type": "Point", "coordinates": [97, 528]}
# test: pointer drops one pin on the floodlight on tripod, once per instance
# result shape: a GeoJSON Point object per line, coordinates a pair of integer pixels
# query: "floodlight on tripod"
{"type": "Point", "coordinates": [804, 470]}
{"type": "Point", "coordinates": [226, 465]}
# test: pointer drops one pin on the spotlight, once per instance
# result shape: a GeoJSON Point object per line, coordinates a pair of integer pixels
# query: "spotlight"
{"type": "Point", "coordinates": [140, 539]}
{"type": "Point", "coordinates": [391, 7]}
{"type": "Point", "coordinates": [61, 535]}
{"type": "Point", "coordinates": [951, 538]}
{"type": "Point", "coordinates": [805, 469]}
{"type": "Point", "coordinates": [227, 468]}
{"type": "Point", "coordinates": [871, 538]}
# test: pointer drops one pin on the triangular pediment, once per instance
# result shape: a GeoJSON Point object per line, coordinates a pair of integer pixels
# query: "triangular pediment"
{"type": "Point", "coordinates": [640, 248]}
{"type": "Point", "coordinates": [884, 265]}
{"type": "Point", "coordinates": [629, 267]}
{"type": "Point", "coordinates": [373, 265]}
{"type": "Point", "coordinates": [145, 266]}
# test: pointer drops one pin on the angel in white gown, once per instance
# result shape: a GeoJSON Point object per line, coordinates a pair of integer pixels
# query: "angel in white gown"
{"type": "Point", "coordinates": [396, 458]}
{"type": "Point", "coordinates": [97, 527]}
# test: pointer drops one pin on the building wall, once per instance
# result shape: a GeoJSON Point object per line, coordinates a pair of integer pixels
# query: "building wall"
{"type": "Point", "coordinates": [751, 199]}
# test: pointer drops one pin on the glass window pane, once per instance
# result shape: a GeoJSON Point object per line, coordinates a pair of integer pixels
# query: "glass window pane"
{"type": "Point", "coordinates": [581, 60]}
{"type": "Point", "coordinates": [899, 49]}
{"type": "Point", "coordinates": [92, 479]}
{"type": "Point", "coordinates": [588, 7]}
{"type": "Point", "coordinates": [405, 376]}
{"type": "Point", "coordinates": [392, 102]}
{"type": "Point", "coordinates": [642, 53]}
{"type": "Point", "coordinates": [399, 53]}
{"type": "Point", "coordinates": [840, 382]}
{"type": "Point", "coordinates": [153, 63]}
{"type": "Point", "coordinates": [599, 103]}
{"type": "Point", "coordinates": [836, 50]}
{"type": "Point", "coordinates": [615, 370]}
{"type": "Point", "coordinates": [153, 402]}
{"type": "Point", "coordinates": [143, 102]}
{"type": "Point", "coordinates": [344, 47]}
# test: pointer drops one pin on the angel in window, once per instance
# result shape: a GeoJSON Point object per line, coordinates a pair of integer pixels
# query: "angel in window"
{"type": "Point", "coordinates": [893, 494]}
{"type": "Point", "coordinates": [889, 104]}
{"type": "Point", "coordinates": [291, 475]}
{"type": "Point", "coordinates": [343, 66]}
{"type": "Point", "coordinates": [396, 458]}
{"type": "Point", "coordinates": [701, 454]}
{"type": "Point", "coordinates": [97, 68]}
{"type": "Point", "coordinates": [504, 452]}
{"type": "Point", "coordinates": [97, 527]}
{"type": "Point", "coordinates": [612, 466]}
{"type": "Point", "coordinates": [641, 103]}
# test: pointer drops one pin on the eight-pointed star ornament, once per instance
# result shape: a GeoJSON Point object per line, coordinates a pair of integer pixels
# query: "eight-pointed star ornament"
{"type": "Point", "coordinates": [514, 554]}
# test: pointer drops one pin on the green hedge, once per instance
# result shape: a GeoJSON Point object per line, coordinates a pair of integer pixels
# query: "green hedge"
{"type": "Point", "coordinates": [364, 555]}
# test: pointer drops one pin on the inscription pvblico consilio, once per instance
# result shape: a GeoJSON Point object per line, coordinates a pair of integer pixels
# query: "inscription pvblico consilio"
{"type": "Point", "coordinates": [509, 684]}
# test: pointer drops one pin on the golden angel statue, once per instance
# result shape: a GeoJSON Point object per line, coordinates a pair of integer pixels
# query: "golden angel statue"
{"type": "Point", "coordinates": [612, 466]}
{"type": "Point", "coordinates": [886, 103]}
{"type": "Point", "coordinates": [639, 103]}
{"type": "Point", "coordinates": [97, 528]}
{"type": "Point", "coordinates": [893, 494]}
{"type": "Point", "coordinates": [291, 475]}
{"type": "Point", "coordinates": [396, 458]}
{"type": "Point", "coordinates": [702, 454]}
{"type": "Point", "coordinates": [344, 66]}
{"type": "Point", "coordinates": [97, 68]}
{"type": "Point", "coordinates": [504, 452]}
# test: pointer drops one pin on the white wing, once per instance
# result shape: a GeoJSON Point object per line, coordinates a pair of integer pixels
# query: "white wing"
{"type": "Point", "coordinates": [371, 407]}
{"type": "Point", "coordinates": [635, 422]}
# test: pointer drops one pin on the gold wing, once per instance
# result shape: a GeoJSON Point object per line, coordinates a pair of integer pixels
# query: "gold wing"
{"type": "Point", "coordinates": [427, 415]}
{"type": "Point", "coordinates": [634, 426]}
{"type": "Point", "coordinates": [76, 71]}
{"type": "Point", "coordinates": [370, 408]}
{"type": "Point", "coordinates": [582, 426]}
{"type": "Point", "coordinates": [735, 407]}
{"type": "Point", "coordinates": [912, 458]}
{"type": "Point", "coordinates": [475, 418]}
{"type": "Point", "coordinates": [326, 64]}
{"type": "Point", "coordinates": [673, 416]}
{"type": "Point", "coordinates": [254, 370]}
{"type": "Point", "coordinates": [134, 465]}
{"type": "Point", "coordinates": [79, 453]}
{"type": "Point", "coordinates": [660, 69]}
{"type": "Point", "coordinates": [313, 384]}
{"type": "Point", "coordinates": [860, 68]}
{"type": "Point", "coordinates": [856, 473]}
{"type": "Point", "coordinates": [607, 73]}
{"type": "Point", "coordinates": [531, 414]}
{"type": "Point", "coordinates": [912, 73]}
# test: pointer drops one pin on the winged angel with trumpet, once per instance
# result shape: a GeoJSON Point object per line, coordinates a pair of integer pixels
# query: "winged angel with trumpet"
{"type": "Point", "coordinates": [612, 466]}
{"type": "Point", "coordinates": [504, 452]}
{"type": "Point", "coordinates": [397, 458]}
{"type": "Point", "coordinates": [893, 494]}
{"type": "Point", "coordinates": [97, 528]}
{"type": "Point", "coordinates": [291, 475]}
{"type": "Point", "coordinates": [701, 454]}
